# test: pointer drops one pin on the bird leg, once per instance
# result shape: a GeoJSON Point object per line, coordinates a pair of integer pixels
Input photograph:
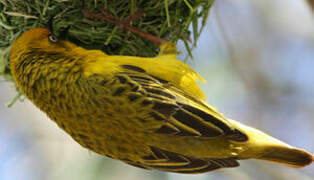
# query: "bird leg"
{"type": "Point", "coordinates": [125, 24]}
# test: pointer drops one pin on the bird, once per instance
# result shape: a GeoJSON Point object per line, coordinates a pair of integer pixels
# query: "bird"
{"type": "Point", "coordinates": [148, 112]}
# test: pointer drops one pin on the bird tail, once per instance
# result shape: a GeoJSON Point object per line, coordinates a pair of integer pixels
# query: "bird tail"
{"type": "Point", "coordinates": [264, 147]}
{"type": "Point", "coordinates": [292, 157]}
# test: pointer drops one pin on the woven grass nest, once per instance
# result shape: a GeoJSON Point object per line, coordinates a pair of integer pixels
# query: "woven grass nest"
{"type": "Point", "coordinates": [167, 19]}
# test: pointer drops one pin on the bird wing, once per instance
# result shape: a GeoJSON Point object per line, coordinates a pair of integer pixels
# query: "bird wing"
{"type": "Point", "coordinates": [179, 112]}
{"type": "Point", "coordinates": [172, 162]}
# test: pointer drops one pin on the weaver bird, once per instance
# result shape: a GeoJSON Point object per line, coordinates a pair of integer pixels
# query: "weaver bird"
{"type": "Point", "coordinates": [147, 112]}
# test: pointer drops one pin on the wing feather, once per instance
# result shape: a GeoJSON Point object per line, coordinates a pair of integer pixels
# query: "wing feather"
{"type": "Point", "coordinates": [174, 162]}
{"type": "Point", "coordinates": [182, 113]}
{"type": "Point", "coordinates": [161, 106]}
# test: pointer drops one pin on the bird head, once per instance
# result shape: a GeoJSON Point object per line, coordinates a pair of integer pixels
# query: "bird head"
{"type": "Point", "coordinates": [40, 39]}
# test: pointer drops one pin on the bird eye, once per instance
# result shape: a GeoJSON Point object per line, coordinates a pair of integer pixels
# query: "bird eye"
{"type": "Point", "coordinates": [52, 38]}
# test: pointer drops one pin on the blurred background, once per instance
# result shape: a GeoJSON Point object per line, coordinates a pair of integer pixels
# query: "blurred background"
{"type": "Point", "coordinates": [258, 60]}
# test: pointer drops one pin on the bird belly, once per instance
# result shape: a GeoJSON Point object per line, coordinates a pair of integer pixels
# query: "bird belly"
{"type": "Point", "coordinates": [106, 134]}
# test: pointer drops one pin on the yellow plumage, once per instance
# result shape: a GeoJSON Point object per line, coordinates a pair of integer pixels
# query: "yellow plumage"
{"type": "Point", "coordinates": [147, 112]}
{"type": "Point", "coordinates": [164, 66]}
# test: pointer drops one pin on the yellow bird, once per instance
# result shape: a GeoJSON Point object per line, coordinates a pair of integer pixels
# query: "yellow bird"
{"type": "Point", "coordinates": [147, 112]}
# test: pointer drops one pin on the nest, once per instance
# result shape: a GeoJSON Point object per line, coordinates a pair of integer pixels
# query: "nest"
{"type": "Point", "coordinates": [168, 19]}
